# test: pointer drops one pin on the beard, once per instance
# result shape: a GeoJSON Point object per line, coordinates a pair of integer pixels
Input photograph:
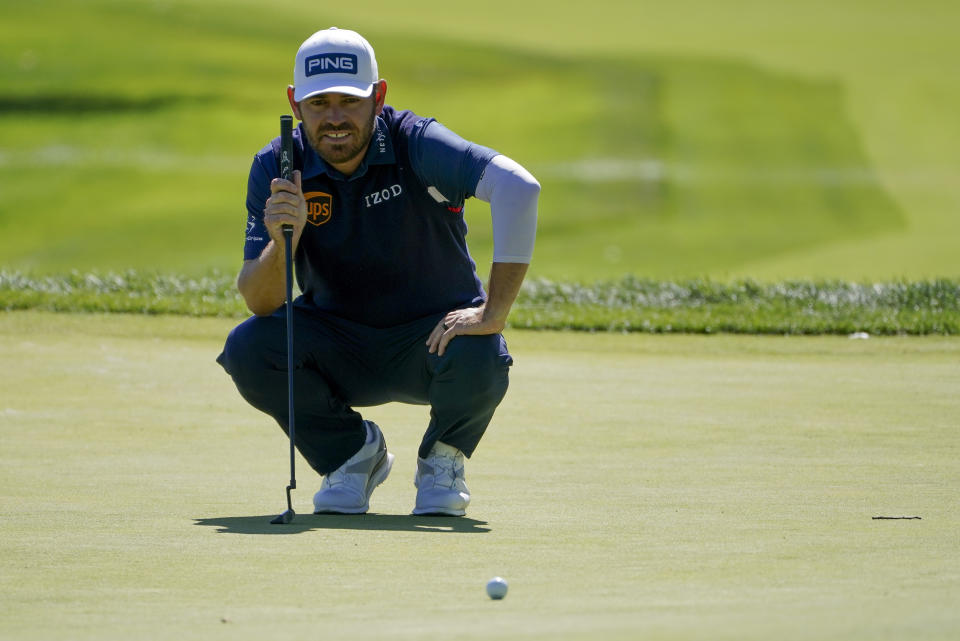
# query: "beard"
{"type": "Point", "coordinates": [337, 154]}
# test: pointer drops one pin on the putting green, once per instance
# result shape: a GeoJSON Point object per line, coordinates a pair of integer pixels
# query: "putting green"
{"type": "Point", "coordinates": [630, 487]}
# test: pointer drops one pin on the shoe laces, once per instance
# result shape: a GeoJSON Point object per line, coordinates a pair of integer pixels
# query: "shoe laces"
{"type": "Point", "coordinates": [336, 477]}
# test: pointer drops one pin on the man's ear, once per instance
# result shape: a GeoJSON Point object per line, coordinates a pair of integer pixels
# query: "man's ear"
{"type": "Point", "coordinates": [380, 95]}
{"type": "Point", "coordinates": [293, 103]}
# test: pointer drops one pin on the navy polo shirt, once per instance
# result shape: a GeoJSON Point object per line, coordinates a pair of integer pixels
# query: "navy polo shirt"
{"type": "Point", "coordinates": [386, 245]}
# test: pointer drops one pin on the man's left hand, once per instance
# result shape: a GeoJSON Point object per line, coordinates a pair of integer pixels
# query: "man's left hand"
{"type": "Point", "coordinates": [461, 321]}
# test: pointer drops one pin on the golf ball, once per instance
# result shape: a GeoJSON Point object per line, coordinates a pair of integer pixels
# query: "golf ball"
{"type": "Point", "coordinates": [496, 588]}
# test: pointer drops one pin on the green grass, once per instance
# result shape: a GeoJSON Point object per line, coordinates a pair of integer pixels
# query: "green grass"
{"type": "Point", "coordinates": [742, 307]}
{"type": "Point", "coordinates": [659, 487]}
{"type": "Point", "coordinates": [758, 167]}
{"type": "Point", "coordinates": [627, 304]}
{"type": "Point", "coordinates": [665, 149]}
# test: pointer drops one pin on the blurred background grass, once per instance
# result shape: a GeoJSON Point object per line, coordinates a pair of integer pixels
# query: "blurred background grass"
{"type": "Point", "coordinates": [796, 140]}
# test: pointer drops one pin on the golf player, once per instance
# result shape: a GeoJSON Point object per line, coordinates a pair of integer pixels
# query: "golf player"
{"type": "Point", "coordinates": [392, 308]}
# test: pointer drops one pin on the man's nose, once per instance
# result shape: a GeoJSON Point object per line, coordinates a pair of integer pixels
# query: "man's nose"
{"type": "Point", "coordinates": [335, 115]}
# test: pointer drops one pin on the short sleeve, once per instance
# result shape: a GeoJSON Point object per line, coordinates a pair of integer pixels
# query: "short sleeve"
{"type": "Point", "coordinates": [447, 164]}
{"type": "Point", "coordinates": [258, 190]}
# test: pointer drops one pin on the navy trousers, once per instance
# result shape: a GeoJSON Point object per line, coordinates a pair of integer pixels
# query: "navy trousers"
{"type": "Point", "coordinates": [340, 365]}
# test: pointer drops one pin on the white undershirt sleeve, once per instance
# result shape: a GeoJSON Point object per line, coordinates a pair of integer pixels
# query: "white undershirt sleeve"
{"type": "Point", "coordinates": [513, 194]}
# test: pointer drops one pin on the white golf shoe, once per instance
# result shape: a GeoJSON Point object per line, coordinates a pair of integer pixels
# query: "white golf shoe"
{"type": "Point", "coordinates": [440, 484]}
{"type": "Point", "coordinates": [347, 489]}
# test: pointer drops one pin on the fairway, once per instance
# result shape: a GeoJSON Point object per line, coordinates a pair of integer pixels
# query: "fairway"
{"type": "Point", "coordinates": [681, 140]}
{"type": "Point", "coordinates": [630, 487]}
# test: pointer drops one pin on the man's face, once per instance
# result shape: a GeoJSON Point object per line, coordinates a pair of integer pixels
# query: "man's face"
{"type": "Point", "coordinates": [339, 127]}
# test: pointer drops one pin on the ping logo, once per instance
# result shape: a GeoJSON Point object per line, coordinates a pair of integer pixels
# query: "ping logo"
{"type": "Point", "coordinates": [319, 207]}
{"type": "Point", "coordinates": [330, 63]}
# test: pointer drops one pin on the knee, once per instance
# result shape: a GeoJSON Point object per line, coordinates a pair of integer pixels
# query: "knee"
{"type": "Point", "coordinates": [249, 348]}
{"type": "Point", "coordinates": [483, 360]}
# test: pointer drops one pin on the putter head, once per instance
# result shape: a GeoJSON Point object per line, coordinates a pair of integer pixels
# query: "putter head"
{"type": "Point", "coordinates": [284, 518]}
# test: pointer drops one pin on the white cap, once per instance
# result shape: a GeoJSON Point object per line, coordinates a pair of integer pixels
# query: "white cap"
{"type": "Point", "coordinates": [334, 61]}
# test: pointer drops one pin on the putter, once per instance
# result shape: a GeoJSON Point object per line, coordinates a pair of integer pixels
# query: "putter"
{"type": "Point", "coordinates": [286, 172]}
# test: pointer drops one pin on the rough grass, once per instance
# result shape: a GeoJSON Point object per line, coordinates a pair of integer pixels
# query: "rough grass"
{"type": "Point", "coordinates": [625, 305]}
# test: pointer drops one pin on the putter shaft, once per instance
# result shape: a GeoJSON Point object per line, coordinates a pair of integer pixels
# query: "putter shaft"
{"type": "Point", "coordinates": [286, 172]}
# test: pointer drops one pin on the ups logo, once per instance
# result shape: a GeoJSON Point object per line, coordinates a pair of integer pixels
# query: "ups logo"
{"type": "Point", "coordinates": [319, 207]}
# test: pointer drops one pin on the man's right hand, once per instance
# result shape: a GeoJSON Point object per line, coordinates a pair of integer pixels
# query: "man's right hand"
{"type": "Point", "coordinates": [262, 280]}
{"type": "Point", "coordinates": [285, 206]}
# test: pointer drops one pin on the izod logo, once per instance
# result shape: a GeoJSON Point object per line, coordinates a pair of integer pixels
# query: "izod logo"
{"type": "Point", "coordinates": [383, 195]}
{"type": "Point", "coordinates": [319, 207]}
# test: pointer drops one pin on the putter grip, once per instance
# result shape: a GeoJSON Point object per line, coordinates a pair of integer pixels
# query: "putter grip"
{"type": "Point", "coordinates": [286, 153]}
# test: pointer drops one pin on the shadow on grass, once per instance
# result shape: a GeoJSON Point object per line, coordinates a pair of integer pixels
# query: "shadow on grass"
{"type": "Point", "coordinates": [307, 522]}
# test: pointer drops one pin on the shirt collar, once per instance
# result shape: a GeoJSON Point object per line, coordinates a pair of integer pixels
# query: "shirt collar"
{"type": "Point", "coordinates": [380, 152]}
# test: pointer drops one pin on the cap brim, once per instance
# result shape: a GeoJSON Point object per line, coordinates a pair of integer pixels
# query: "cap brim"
{"type": "Point", "coordinates": [350, 90]}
